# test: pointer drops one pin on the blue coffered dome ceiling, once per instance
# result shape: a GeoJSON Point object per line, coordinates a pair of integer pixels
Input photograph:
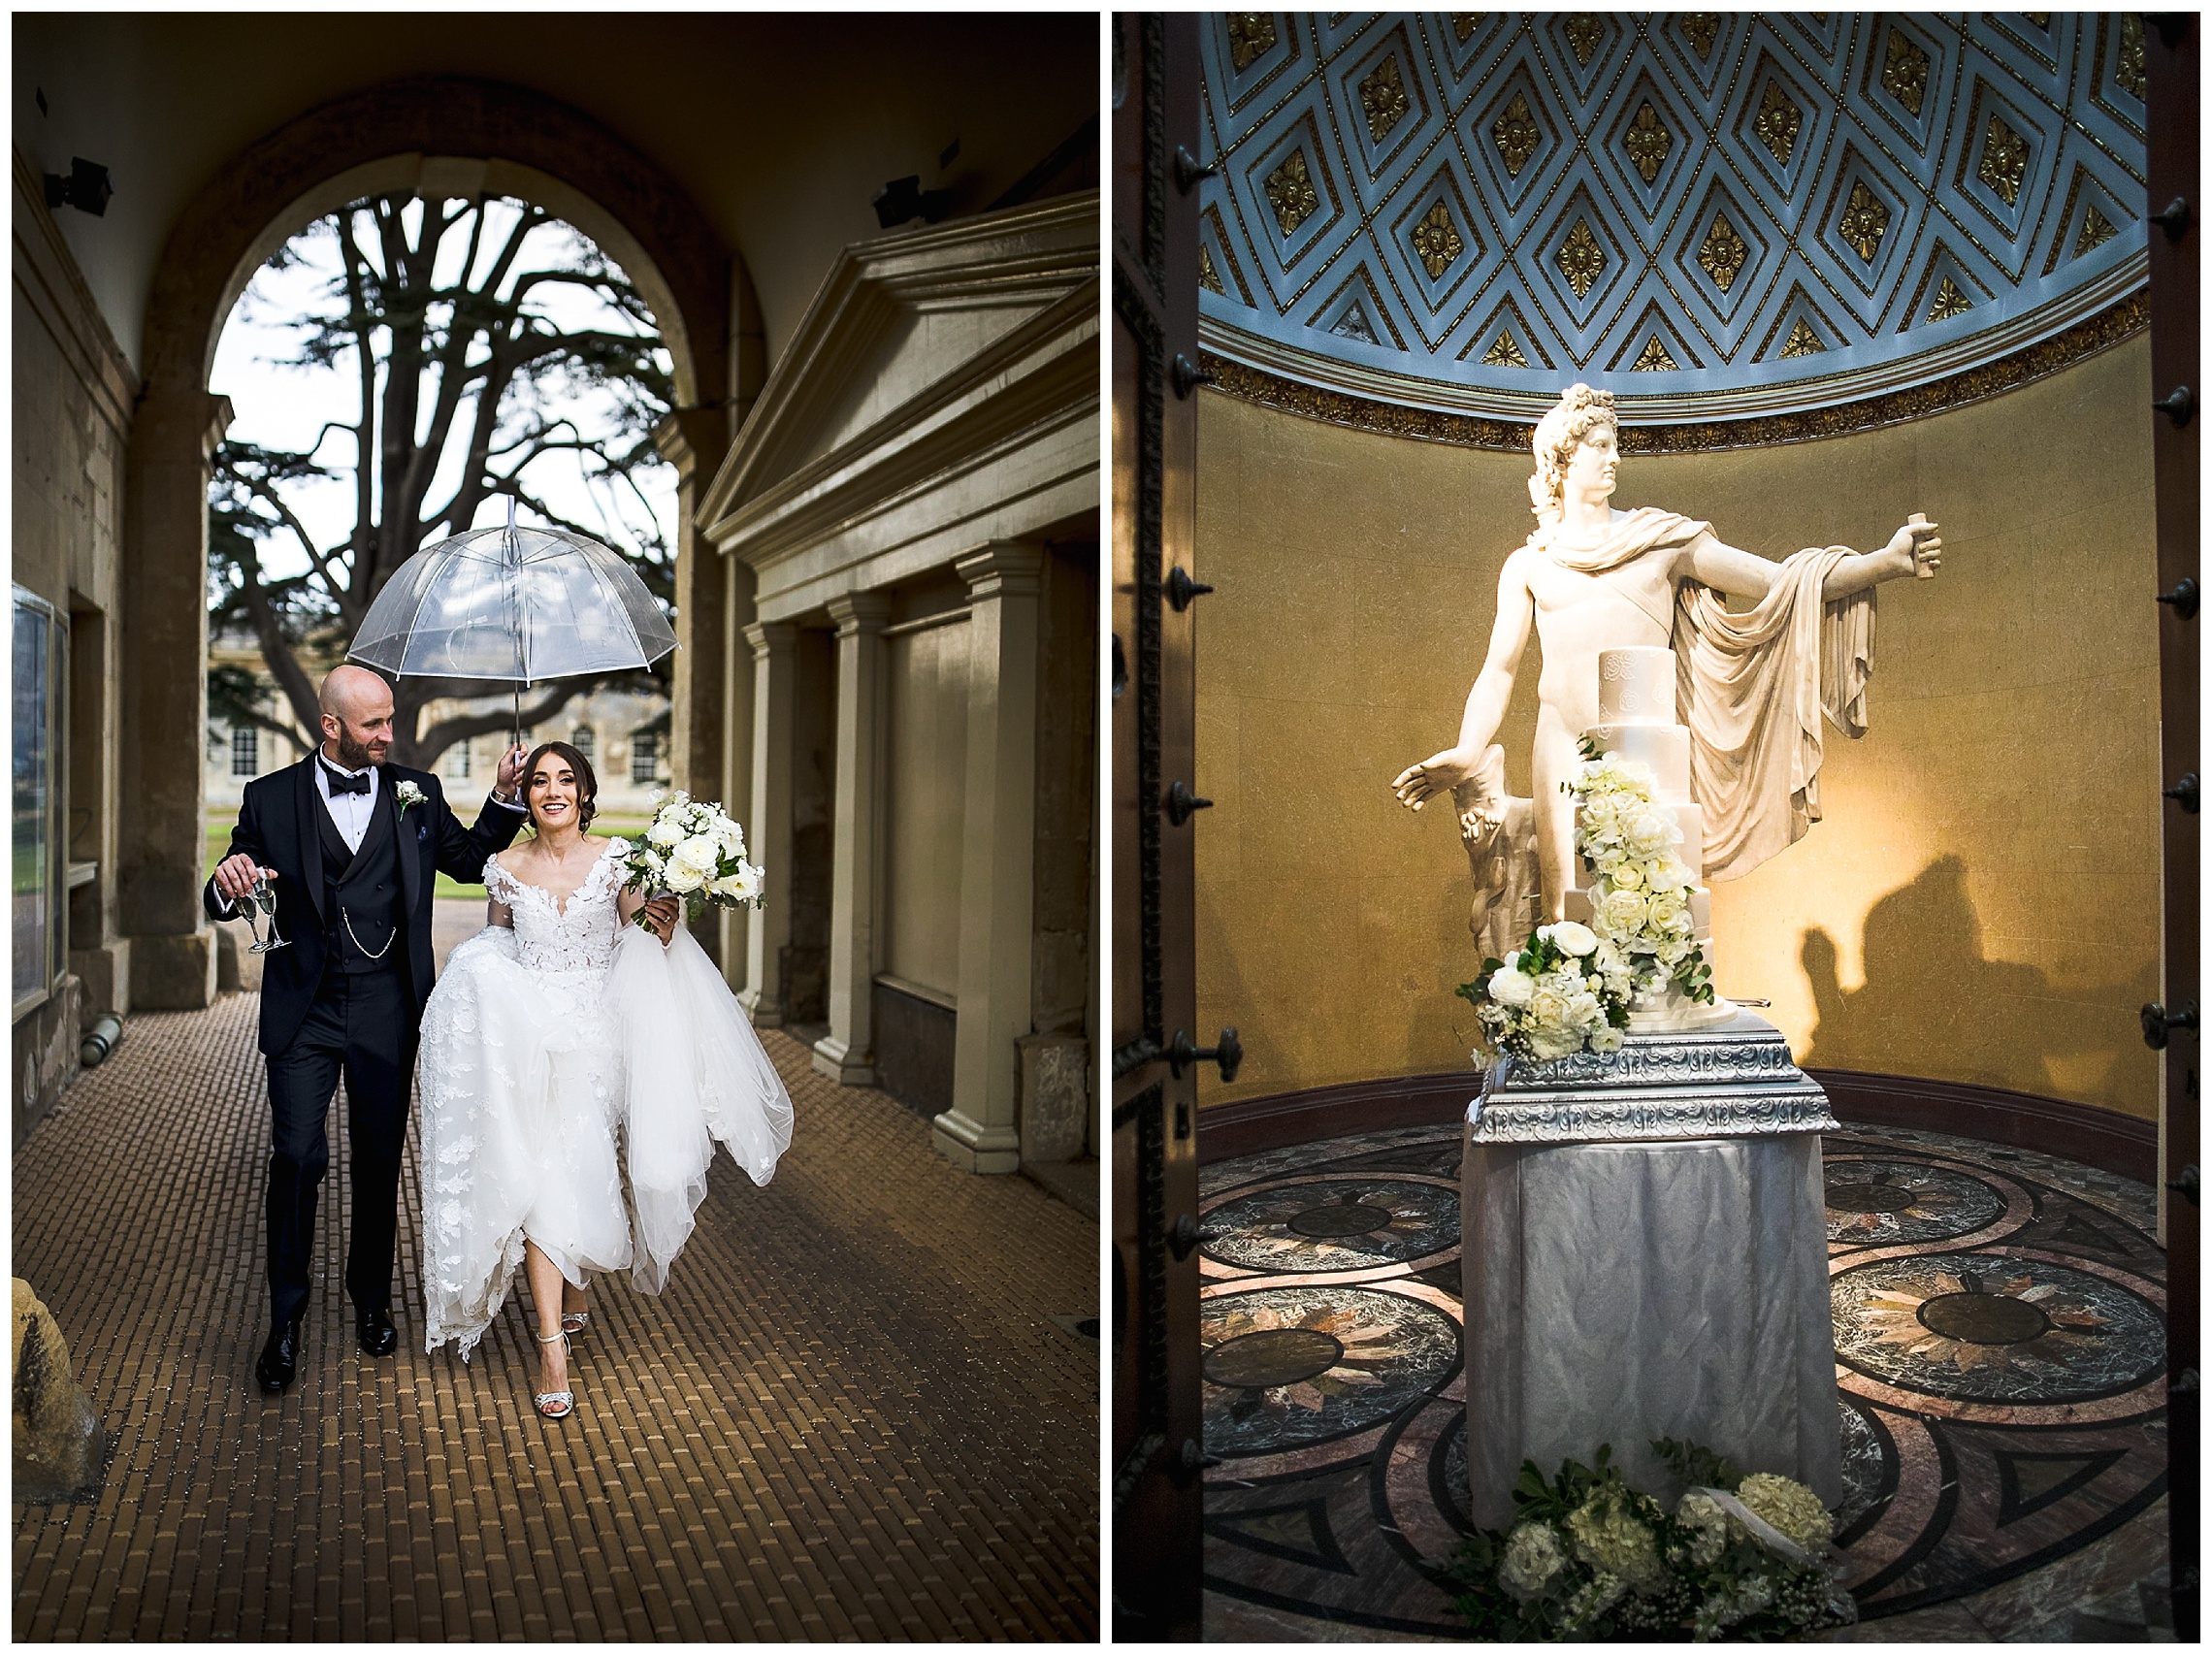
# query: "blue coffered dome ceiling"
{"type": "Point", "coordinates": [1750, 227]}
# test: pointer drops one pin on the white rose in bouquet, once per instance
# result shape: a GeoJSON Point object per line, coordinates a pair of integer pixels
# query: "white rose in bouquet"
{"type": "Point", "coordinates": [1648, 832]}
{"type": "Point", "coordinates": [664, 833]}
{"type": "Point", "coordinates": [1621, 911]}
{"type": "Point", "coordinates": [683, 879]}
{"type": "Point", "coordinates": [1510, 988]}
{"type": "Point", "coordinates": [1548, 1007]}
{"type": "Point", "coordinates": [1574, 938]}
{"type": "Point", "coordinates": [740, 887]}
{"type": "Point", "coordinates": [700, 854]}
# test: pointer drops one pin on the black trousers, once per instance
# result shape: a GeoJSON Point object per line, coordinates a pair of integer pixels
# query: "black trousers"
{"type": "Point", "coordinates": [361, 1027]}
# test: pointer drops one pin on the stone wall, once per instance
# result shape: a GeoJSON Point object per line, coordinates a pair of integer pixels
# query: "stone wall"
{"type": "Point", "coordinates": [72, 398]}
{"type": "Point", "coordinates": [1982, 902]}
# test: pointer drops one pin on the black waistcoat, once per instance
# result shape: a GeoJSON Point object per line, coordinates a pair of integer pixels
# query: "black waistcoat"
{"type": "Point", "coordinates": [362, 901]}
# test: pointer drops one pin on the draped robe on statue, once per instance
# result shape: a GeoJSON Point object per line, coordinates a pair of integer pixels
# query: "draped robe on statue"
{"type": "Point", "coordinates": [1751, 687]}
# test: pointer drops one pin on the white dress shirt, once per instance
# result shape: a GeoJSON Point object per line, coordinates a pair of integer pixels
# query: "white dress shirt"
{"type": "Point", "coordinates": [350, 811]}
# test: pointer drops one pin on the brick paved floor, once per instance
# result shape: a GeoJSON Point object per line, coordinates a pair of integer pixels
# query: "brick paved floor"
{"type": "Point", "coordinates": [848, 1416]}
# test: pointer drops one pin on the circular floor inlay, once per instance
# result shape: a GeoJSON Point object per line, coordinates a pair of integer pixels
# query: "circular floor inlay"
{"type": "Point", "coordinates": [1988, 1327]}
{"type": "Point", "coordinates": [1290, 1367]}
{"type": "Point", "coordinates": [1277, 1356]}
{"type": "Point", "coordinates": [1355, 1221]}
{"type": "Point", "coordinates": [1334, 1224]}
{"type": "Point", "coordinates": [1881, 1201]}
{"type": "Point", "coordinates": [1870, 1198]}
{"type": "Point", "coordinates": [1984, 1319]}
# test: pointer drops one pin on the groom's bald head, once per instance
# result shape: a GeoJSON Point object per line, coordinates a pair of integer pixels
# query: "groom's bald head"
{"type": "Point", "coordinates": [356, 717]}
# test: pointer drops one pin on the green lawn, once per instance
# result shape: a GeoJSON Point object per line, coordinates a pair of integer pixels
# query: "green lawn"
{"type": "Point", "coordinates": [219, 826]}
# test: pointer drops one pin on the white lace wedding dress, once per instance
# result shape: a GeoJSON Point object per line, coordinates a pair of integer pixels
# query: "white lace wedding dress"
{"type": "Point", "coordinates": [575, 1077]}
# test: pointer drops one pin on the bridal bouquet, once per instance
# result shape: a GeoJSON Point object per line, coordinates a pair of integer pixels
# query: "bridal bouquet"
{"type": "Point", "coordinates": [694, 851]}
{"type": "Point", "coordinates": [1589, 1558]}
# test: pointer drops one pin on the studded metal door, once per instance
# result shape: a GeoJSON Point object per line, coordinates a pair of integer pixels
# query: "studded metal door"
{"type": "Point", "coordinates": [2174, 1022]}
{"type": "Point", "coordinates": [1157, 1453]}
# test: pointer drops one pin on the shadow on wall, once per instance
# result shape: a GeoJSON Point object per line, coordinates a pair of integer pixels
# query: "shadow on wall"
{"type": "Point", "coordinates": [1925, 972]}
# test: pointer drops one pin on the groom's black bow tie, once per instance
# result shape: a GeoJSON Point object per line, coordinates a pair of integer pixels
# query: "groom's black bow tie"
{"type": "Point", "coordinates": [340, 782]}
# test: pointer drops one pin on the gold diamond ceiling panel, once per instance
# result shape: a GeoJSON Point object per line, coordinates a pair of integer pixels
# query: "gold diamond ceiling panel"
{"type": "Point", "coordinates": [1716, 215]}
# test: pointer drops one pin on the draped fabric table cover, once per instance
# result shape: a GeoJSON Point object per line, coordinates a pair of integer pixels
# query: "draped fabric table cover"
{"type": "Point", "coordinates": [1616, 1293]}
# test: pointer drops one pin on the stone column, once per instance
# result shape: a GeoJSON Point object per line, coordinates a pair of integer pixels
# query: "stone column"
{"type": "Point", "coordinates": [739, 609]}
{"type": "Point", "coordinates": [847, 1052]}
{"type": "Point", "coordinates": [776, 674]}
{"type": "Point", "coordinates": [693, 441]}
{"type": "Point", "coordinates": [164, 649]}
{"type": "Point", "coordinates": [980, 1131]}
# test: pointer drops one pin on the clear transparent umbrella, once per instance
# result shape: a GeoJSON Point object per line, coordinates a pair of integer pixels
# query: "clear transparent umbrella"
{"type": "Point", "coordinates": [514, 607]}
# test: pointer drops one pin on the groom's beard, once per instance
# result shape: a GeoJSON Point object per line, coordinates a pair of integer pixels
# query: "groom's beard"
{"type": "Point", "coordinates": [352, 755]}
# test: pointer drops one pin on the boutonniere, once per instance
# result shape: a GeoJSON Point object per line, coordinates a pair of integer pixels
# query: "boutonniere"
{"type": "Point", "coordinates": [409, 797]}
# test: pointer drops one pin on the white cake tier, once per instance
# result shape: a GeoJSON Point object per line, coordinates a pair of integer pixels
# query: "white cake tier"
{"type": "Point", "coordinates": [1636, 686]}
{"type": "Point", "coordinates": [1690, 818]}
{"type": "Point", "coordinates": [1662, 748]}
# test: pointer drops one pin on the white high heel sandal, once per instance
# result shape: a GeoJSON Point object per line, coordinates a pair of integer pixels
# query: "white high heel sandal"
{"type": "Point", "coordinates": [554, 1404]}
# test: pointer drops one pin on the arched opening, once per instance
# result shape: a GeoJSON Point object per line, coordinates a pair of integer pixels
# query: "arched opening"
{"type": "Point", "coordinates": [449, 136]}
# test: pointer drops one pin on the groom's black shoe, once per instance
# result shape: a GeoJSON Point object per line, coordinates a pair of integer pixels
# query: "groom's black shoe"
{"type": "Point", "coordinates": [379, 1336]}
{"type": "Point", "coordinates": [279, 1356]}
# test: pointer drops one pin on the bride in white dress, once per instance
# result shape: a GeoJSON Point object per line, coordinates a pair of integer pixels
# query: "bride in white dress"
{"type": "Point", "coordinates": [576, 1071]}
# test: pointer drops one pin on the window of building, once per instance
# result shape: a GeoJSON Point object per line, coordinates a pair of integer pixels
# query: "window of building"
{"type": "Point", "coordinates": [581, 740]}
{"type": "Point", "coordinates": [38, 652]}
{"type": "Point", "coordinates": [457, 760]}
{"type": "Point", "coordinates": [644, 756]}
{"type": "Point", "coordinates": [245, 752]}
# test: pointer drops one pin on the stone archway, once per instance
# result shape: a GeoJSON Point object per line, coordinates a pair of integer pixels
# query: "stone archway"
{"type": "Point", "coordinates": [439, 134]}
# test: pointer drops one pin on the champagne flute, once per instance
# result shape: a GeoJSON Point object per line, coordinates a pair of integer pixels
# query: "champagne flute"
{"type": "Point", "coordinates": [249, 907]}
{"type": "Point", "coordinates": [265, 898]}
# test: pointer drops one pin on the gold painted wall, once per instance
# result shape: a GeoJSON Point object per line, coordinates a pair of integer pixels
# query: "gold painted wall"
{"type": "Point", "coordinates": [1982, 902]}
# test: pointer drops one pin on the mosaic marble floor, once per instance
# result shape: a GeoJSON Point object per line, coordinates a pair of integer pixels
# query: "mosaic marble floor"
{"type": "Point", "coordinates": [1999, 1351]}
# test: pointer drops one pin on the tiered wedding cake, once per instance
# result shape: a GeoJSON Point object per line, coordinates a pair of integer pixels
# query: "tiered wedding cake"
{"type": "Point", "coordinates": [1637, 722]}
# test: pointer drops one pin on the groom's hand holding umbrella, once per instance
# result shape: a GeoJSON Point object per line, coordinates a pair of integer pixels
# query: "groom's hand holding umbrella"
{"type": "Point", "coordinates": [507, 787]}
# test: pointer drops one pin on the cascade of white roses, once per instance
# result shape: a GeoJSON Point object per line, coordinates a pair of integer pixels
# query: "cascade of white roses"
{"type": "Point", "coordinates": [1568, 989]}
{"type": "Point", "coordinates": [1639, 898]}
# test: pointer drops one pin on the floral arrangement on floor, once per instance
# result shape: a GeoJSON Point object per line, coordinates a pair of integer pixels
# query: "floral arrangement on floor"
{"type": "Point", "coordinates": [1589, 1558]}
{"type": "Point", "coordinates": [1568, 987]}
{"type": "Point", "coordinates": [694, 851]}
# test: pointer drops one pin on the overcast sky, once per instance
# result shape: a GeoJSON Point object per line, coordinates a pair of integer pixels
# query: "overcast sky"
{"type": "Point", "coordinates": [285, 407]}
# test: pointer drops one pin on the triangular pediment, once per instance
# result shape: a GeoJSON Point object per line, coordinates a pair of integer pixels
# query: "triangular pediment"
{"type": "Point", "coordinates": [903, 328]}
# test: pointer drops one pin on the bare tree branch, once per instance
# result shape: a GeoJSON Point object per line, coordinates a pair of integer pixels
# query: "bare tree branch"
{"type": "Point", "coordinates": [446, 732]}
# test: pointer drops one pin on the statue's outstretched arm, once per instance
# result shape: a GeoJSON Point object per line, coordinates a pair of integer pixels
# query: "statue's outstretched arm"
{"type": "Point", "coordinates": [1486, 702]}
{"type": "Point", "coordinates": [1915, 550]}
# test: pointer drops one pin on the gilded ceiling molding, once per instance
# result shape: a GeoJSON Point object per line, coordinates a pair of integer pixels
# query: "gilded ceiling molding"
{"type": "Point", "coordinates": [2116, 324]}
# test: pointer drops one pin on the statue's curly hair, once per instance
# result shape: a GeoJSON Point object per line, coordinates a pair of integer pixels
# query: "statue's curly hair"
{"type": "Point", "coordinates": [1558, 433]}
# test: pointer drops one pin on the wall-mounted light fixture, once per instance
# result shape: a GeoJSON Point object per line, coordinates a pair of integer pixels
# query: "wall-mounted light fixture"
{"type": "Point", "coordinates": [903, 199]}
{"type": "Point", "coordinates": [86, 187]}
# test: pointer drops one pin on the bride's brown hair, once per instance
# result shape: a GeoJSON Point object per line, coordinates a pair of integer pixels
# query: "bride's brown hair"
{"type": "Point", "coordinates": [587, 783]}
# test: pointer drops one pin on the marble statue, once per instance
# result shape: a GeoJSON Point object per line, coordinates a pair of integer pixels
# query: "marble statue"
{"type": "Point", "coordinates": [1751, 686]}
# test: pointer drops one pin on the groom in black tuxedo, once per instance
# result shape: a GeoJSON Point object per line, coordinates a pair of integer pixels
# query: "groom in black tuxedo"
{"type": "Point", "coordinates": [354, 846]}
